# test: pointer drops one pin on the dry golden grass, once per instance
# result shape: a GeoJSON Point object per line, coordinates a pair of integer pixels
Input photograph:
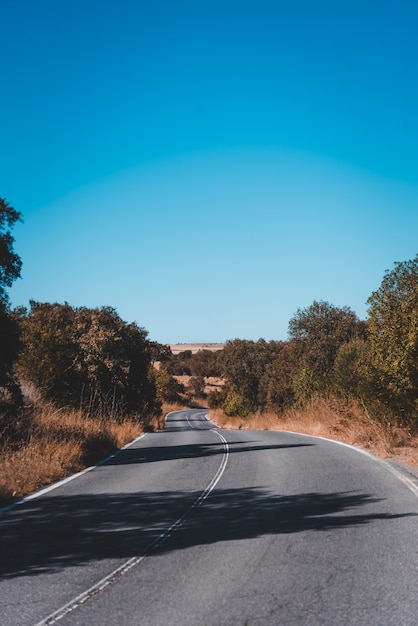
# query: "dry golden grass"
{"type": "Point", "coordinates": [59, 443]}
{"type": "Point", "coordinates": [335, 419]}
{"type": "Point", "coordinates": [168, 407]}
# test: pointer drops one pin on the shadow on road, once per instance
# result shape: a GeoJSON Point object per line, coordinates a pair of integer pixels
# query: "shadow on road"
{"type": "Point", "coordinates": [51, 533]}
{"type": "Point", "coordinates": [153, 454]}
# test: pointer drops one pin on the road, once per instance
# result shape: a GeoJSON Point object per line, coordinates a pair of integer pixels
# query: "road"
{"type": "Point", "coordinates": [195, 525]}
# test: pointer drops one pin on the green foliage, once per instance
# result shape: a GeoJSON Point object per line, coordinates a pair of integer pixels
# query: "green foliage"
{"type": "Point", "coordinates": [243, 365]}
{"type": "Point", "coordinates": [320, 330]}
{"type": "Point", "coordinates": [168, 388]}
{"type": "Point", "coordinates": [10, 263]}
{"type": "Point", "coordinates": [276, 385]}
{"type": "Point", "coordinates": [351, 372]}
{"type": "Point", "coordinates": [50, 356]}
{"type": "Point", "coordinates": [393, 332]}
{"type": "Point", "coordinates": [235, 404]}
{"type": "Point", "coordinates": [88, 358]}
{"type": "Point", "coordinates": [308, 385]}
{"type": "Point", "coordinates": [9, 346]}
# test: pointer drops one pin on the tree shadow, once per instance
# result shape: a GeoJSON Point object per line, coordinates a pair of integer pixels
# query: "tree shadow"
{"type": "Point", "coordinates": [50, 533]}
{"type": "Point", "coordinates": [152, 454]}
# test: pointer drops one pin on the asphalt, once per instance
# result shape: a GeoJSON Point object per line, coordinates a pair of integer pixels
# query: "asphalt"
{"type": "Point", "coordinates": [196, 525]}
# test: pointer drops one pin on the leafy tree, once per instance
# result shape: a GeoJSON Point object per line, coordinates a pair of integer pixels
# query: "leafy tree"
{"type": "Point", "coordinates": [277, 383]}
{"type": "Point", "coordinates": [179, 365]}
{"type": "Point", "coordinates": [10, 265]}
{"type": "Point", "coordinates": [9, 346]}
{"type": "Point", "coordinates": [216, 398]}
{"type": "Point", "coordinates": [393, 332]}
{"type": "Point", "coordinates": [205, 363]}
{"type": "Point", "coordinates": [89, 358]}
{"type": "Point", "coordinates": [197, 386]}
{"type": "Point", "coordinates": [115, 359]}
{"type": "Point", "coordinates": [160, 352]}
{"type": "Point", "coordinates": [319, 331]}
{"type": "Point", "coordinates": [168, 388]}
{"type": "Point", "coordinates": [51, 357]}
{"type": "Point", "coordinates": [236, 404]}
{"type": "Point", "coordinates": [351, 370]}
{"type": "Point", "coordinates": [243, 365]}
{"type": "Point", "coordinates": [200, 363]}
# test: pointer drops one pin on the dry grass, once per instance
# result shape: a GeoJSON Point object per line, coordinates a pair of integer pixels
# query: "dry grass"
{"type": "Point", "coordinates": [56, 443]}
{"type": "Point", "coordinates": [335, 419]}
{"type": "Point", "coordinates": [168, 407]}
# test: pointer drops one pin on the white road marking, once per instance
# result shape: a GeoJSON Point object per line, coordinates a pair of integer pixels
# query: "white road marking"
{"type": "Point", "coordinates": [136, 560]}
{"type": "Point", "coordinates": [407, 481]}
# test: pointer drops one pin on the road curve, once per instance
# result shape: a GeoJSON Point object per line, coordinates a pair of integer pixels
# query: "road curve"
{"type": "Point", "coordinates": [197, 525]}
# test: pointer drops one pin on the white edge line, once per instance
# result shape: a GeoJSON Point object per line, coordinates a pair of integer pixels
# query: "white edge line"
{"type": "Point", "coordinates": [407, 481]}
{"type": "Point", "coordinates": [68, 479]}
{"type": "Point", "coordinates": [133, 561]}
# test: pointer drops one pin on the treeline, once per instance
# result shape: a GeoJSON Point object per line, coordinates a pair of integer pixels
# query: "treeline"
{"type": "Point", "coordinates": [80, 358]}
{"type": "Point", "coordinates": [90, 359]}
{"type": "Point", "coordinates": [330, 352]}
{"type": "Point", "coordinates": [87, 359]}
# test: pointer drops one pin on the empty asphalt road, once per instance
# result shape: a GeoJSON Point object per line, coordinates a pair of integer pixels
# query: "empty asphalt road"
{"type": "Point", "coordinates": [196, 525]}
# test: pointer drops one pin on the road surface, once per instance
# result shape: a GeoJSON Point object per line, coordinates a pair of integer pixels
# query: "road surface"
{"type": "Point", "coordinates": [196, 525]}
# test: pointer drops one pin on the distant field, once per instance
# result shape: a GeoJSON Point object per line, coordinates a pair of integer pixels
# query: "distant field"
{"type": "Point", "coordinates": [195, 347]}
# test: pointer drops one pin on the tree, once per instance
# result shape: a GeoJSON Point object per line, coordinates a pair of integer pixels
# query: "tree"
{"type": "Point", "coordinates": [393, 332]}
{"type": "Point", "coordinates": [168, 388]}
{"type": "Point", "coordinates": [205, 363]}
{"type": "Point", "coordinates": [9, 346]}
{"type": "Point", "coordinates": [351, 372]}
{"type": "Point", "coordinates": [197, 386]}
{"type": "Point", "coordinates": [10, 265]}
{"type": "Point", "coordinates": [179, 364]}
{"type": "Point", "coordinates": [320, 330]}
{"type": "Point", "coordinates": [277, 384]}
{"type": "Point", "coordinates": [243, 365]}
{"type": "Point", "coordinates": [116, 359]}
{"type": "Point", "coordinates": [88, 358]}
{"type": "Point", "coordinates": [51, 356]}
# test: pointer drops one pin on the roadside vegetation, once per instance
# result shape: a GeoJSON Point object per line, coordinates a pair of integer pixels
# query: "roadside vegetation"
{"type": "Point", "coordinates": [336, 376]}
{"type": "Point", "coordinates": [77, 383]}
{"type": "Point", "coordinates": [333, 419]}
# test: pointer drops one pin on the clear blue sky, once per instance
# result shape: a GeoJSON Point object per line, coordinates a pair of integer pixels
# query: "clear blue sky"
{"type": "Point", "coordinates": [207, 168]}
